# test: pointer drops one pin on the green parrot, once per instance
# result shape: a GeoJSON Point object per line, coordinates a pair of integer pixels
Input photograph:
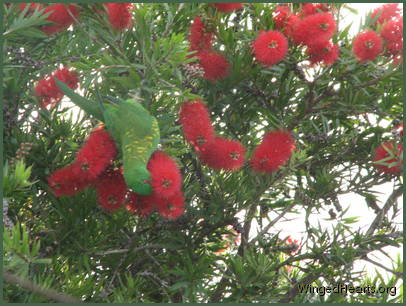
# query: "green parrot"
{"type": "Point", "coordinates": [134, 129]}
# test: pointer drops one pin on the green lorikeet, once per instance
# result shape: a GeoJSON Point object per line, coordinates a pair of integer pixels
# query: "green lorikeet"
{"type": "Point", "coordinates": [134, 129]}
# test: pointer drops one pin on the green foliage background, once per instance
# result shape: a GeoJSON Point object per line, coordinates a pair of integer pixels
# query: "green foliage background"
{"type": "Point", "coordinates": [72, 246]}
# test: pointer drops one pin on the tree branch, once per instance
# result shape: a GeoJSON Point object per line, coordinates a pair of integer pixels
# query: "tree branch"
{"type": "Point", "coordinates": [396, 273]}
{"type": "Point", "coordinates": [389, 203]}
{"type": "Point", "coordinates": [295, 290]}
{"type": "Point", "coordinates": [30, 286]}
{"type": "Point", "coordinates": [119, 251]}
{"type": "Point", "coordinates": [274, 221]}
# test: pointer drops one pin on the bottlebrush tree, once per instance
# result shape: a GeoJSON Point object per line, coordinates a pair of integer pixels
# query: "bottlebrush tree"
{"type": "Point", "coordinates": [268, 115]}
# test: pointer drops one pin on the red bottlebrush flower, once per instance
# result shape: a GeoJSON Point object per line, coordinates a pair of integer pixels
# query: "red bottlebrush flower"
{"type": "Point", "coordinates": [61, 15]}
{"type": "Point", "coordinates": [390, 154]}
{"type": "Point", "coordinates": [314, 29]}
{"type": "Point", "coordinates": [392, 31]}
{"type": "Point", "coordinates": [215, 65]}
{"type": "Point", "coordinates": [394, 49]}
{"type": "Point", "coordinates": [284, 19]}
{"type": "Point", "coordinates": [111, 189]}
{"type": "Point", "coordinates": [67, 181]}
{"type": "Point", "coordinates": [70, 78]}
{"type": "Point", "coordinates": [228, 7]}
{"type": "Point", "coordinates": [47, 91]}
{"type": "Point", "coordinates": [199, 38]}
{"type": "Point", "coordinates": [119, 15]}
{"type": "Point", "coordinates": [97, 153]}
{"type": "Point", "coordinates": [367, 46]}
{"type": "Point", "coordinates": [196, 124]}
{"type": "Point", "coordinates": [32, 7]}
{"type": "Point", "coordinates": [270, 47]}
{"type": "Point", "coordinates": [386, 12]}
{"type": "Point", "coordinates": [274, 151]}
{"type": "Point", "coordinates": [140, 205]}
{"type": "Point", "coordinates": [171, 208]}
{"type": "Point", "coordinates": [223, 153]}
{"type": "Point", "coordinates": [290, 25]}
{"type": "Point", "coordinates": [313, 8]}
{"type": "Point", "coordinates": [326, 53]}
{"type": "Point", "coordinates": [280, 16]}
{"type": "Point", "coordinates": [165, 175]}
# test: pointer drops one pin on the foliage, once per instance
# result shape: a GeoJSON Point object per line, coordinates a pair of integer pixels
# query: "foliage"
{"type": "Point", "coordinates": [17, 179]}
{"type": "Point", "coordinates": [339, 114]}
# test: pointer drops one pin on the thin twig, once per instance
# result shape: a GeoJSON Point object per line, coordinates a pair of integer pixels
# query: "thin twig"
{"type": "Point", "coordinates": [112, 66]}
{"type": "Point", "coordinates": [119, 251]}
{"type": "Point", "coordinates": [396, 273]}
{"type": "Point", "coordinates": [292, 293]}
{"type": "Point", "coordinates": [47, 292]}
{"type": "Point", "coordinates": [389, 203]}
{"type": "Point", "coordinates": [274, 221]}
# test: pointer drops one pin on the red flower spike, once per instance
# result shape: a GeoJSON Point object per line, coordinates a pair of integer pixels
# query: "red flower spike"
{"type": "Point", "coordinates": [290, 25]}
{"type": "Point", "coordinates": [280, 16]}
{"type": "Point", "coordinates": [70, 78]}
{"type": "Point", "coordinates": [111, 190]}
{"type": "Point", "coordinates": [386, 12]}
{"type": "Point", "coordinates": [392, 31]}
{"type": "Point", "coordinates": [215, 65]}
{"type": "Point", "coordinates": [196, 124]}
{"type": "Point", "coordinates": [314, 29]}
{"type": "Point", "coordinates": [284, 19]}
{"type": "Point", "coordinates": [270, 47]}
{"type": "Point", "coordinates": [47, 91]}
{"type": "Point", "coordinates": [199, 38]}
{"type": "Point", "coordinates": [313, 8]}
{"type": "Point", "coordinates": [394, 49]}
{"type": "Point", "coordinates": [33, 7]}
{"type": "Point", "coordinates": [119, 15]}
{"type": "Point", "coordinates": [274, 151]}
{"type": "Point", "coordinates": [326, 53]}
{"type": "Point", "coordinates": [171, 208]}
{"type": "Point", "coordinates": [367, 46]}
{"type": "Point", "coordinates": [166, 179]}
{"type": "Point", "coordinates": [61, 15]}
{"type": "Point", "coordinates": [392, 34]}
{"type": "Point", "coordinates": [97, 153]}
{"type": "Point", "coordinates": [140, 205]}
{"type": "Point", "coordinates": [223, 154]}
{"type": "Point", "coordinates": [228, 7]}
{"type": "Point", "coordinates": [382, 154]}
{"type": "Point", "coordinates": [67, 181]}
